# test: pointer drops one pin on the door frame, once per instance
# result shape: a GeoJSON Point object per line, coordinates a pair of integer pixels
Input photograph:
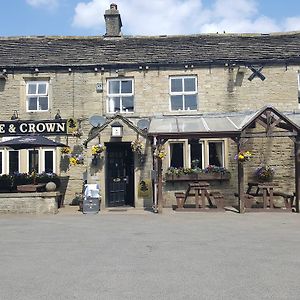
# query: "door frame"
{"type": "Point", "coordinates": [130, 197]}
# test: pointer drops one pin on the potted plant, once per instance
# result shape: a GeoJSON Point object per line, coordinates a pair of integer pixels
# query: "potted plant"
{"type": "Point", "coordinates": [137, 146]}
{"type": "Point", "coordinates": [98, 149]}
{"type": "Point", "coordinates": [243, 156]}
{"type": "Point", "coordinates": [160, 152]}
{"type": "Point", "coordinates": [209, 173]}
{"type": "Point", "coordinates": [65, 150]}
{"type": "Point", "coordinates": [264, 173]}
{"type": "Point", "coordinates": [76, 159]}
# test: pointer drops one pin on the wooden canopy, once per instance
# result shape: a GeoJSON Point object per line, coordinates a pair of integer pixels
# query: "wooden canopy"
{"type": "Point", "coordinates": [235, 126]}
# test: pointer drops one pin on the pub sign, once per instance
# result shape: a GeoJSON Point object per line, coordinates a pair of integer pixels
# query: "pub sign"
{"type": "Point", "coordinates": [41, 127]}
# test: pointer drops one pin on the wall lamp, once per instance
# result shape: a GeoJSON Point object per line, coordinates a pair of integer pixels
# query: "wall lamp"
{"type": "Point", "coordinates": [15, 116]}
{"type": "Point", "coordinates": [57, 116]}
{"type": "Point", "coordinates": [3, 74]}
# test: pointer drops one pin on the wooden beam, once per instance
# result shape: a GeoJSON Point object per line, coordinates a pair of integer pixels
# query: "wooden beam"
{"type": "Point", "coordinates": [265, 134]}
{"type": "Point", "coordinates": [297, 173]}
{"type": "Point", "coordinates": [241, 193]}
{"type": "Point", "coordinates": [159, 185]}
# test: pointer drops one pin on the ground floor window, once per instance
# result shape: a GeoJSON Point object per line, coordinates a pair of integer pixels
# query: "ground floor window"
{"type": "Point", "coordinates": [28, 160]}
{"type": "Point", "coordinates": [176, 155]}
{"type": "Point", "coordinates": [216, 153]}
{"type": "Point", "coordinates": [195, 153]}
{"type": "Point", "coordinates": [49, 161]}
{"type": "Point", "coordinates": [13, 162]}
{"type": "Point", "coordinates": [33, 161]}
{"type": "Point", "coordinates": [1, 162]}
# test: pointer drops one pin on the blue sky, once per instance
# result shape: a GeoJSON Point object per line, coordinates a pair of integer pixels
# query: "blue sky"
{"type": "Point", "coordinates": [145, 17]}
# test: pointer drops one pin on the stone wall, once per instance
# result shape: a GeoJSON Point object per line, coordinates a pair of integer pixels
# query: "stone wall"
{"type": "Point", "coordinates": [29, 203]}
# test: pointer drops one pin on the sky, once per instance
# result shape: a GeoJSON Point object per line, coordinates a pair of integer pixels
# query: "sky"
{"type": "Point", "coordinates": [148, 17]}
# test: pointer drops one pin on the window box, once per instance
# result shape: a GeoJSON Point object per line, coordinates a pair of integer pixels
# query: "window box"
{"type": "Point", "coordinates": [199, 176]}
{"type": "Point", "coordinates": [31, 187]}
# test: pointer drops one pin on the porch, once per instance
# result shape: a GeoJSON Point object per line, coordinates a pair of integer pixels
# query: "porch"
{"type": "Point", "coordinates": [243, 129]}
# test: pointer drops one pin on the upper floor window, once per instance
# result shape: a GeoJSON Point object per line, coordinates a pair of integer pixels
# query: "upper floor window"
{"type": "Point", "coordinates": [183, 93]}
{"type": "Point", "coordinates": [37, 95]}
{"type": "Point", "coordinates": [120, 95]}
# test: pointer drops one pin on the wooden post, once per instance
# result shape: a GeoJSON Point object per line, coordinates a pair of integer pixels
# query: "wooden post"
{"type": "Point", "coordinates": [159, 186]}
{"type": "Point", "coordinates": [297, 172]}
{"type": "Point", "coordinates": [241, 192]}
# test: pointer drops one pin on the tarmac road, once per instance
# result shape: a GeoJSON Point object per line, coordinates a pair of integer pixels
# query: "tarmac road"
{"type": "Point", "coordinates": [150, 256]}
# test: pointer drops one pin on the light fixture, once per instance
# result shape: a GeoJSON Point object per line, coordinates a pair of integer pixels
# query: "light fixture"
{"type": "Point", "coordinates": [57, 116]}
{"type": "Point", "coordinates": [140, 67]}
{"type": "Point", "coordinates": [3, 74]}
{"type": "Point", "coordinates": [147, 67]}
{"type": "Point", "coordinates": [96, 69]}
{"type": "Point", "coordinates": [120, 72]}
{"type": "Point", "coordinates": [15, 115]}
{"type": "Point", "coordinates": [70, 70]}
{"type": "Point", "coordinates": [116, 129]}
{"type": "Point", "coordinates": [36, 70]}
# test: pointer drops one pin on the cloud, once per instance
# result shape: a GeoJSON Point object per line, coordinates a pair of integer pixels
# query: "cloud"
{"type": "Point", "coordinates": [180, 17]}
{"type": "Point", "coordinates": [43, 3]}
{"type": "Point", "coordinates": [292, 23]}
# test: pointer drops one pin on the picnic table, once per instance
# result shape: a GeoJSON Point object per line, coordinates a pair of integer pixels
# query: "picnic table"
{"type": "Point", "coordinates": [199, 190]}
{"type": "Point", "coordinates": [267, 192]}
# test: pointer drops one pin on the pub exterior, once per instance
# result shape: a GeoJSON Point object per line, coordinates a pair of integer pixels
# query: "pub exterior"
{"type": "Point", "coordinates": [120, 102]}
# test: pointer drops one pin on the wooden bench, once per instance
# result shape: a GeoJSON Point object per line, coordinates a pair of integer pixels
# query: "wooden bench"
{"type": "Point", "coordinates": [217, 198]}
{"type": "Point", "coordinates": [180, 199]}
{"type": "Point", "coordinates": [287, 198]}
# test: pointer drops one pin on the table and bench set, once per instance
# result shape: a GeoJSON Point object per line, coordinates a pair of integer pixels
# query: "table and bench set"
{"type": "Point", "coordinates": [208, 200]}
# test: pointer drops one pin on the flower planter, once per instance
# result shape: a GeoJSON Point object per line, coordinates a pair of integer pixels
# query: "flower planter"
{"type": "Point", "coordinates": [31, 187]}
{"type": "Point", "coordinates": [200, 176]}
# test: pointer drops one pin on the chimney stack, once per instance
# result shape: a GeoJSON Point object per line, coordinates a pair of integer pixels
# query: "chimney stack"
{"type": "Point", "coordinates": [113, 21]}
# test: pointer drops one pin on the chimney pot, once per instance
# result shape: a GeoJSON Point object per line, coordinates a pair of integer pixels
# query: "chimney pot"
{"type": "Point", "coordinates": [113, 21]}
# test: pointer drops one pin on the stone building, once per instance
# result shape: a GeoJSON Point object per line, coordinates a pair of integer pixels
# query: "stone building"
{"type": "Point", "coordinates": [115, 89]}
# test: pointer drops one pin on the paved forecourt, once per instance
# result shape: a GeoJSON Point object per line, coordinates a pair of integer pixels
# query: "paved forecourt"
{"type": "Point", "coordinates": [149, 256]}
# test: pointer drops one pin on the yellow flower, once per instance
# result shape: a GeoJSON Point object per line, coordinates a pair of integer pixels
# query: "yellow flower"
{"type": "Point", "coordinates": [73, 161]}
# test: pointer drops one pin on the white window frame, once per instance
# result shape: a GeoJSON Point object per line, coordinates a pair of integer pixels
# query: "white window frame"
{"type": "Point", "coordinates": [28, 96]}
{"type": "Point", "coordinates": [108, 103]}
{"type": "Point", "coordinates": [183, 142]}
{"type": "Point", "coordinates": [187, 163]}
{"type": "Point", "coordinates": [183, 93]}
{"type": "Point", "coordinates": [2, 171]}
{"type": "Point", "coordinates": [223, 151]}
{"type": "Point", "coordinates": [190, 155]}
{"type": "Point", "coordinates": [27, 159]}
{"type": "Point", "coordinates": [43, 161]}
{"type": "Point", "coordinates": [7, 160]}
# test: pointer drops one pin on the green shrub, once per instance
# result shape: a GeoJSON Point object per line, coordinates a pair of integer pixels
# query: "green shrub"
{"type": "Point", "coordinates": [5, 182]}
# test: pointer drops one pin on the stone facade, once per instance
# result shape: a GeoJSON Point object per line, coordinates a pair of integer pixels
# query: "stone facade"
{"type": "Point", "coordinates": [78, 69]}
{"type": "Point", "coordinates": [74, 95]}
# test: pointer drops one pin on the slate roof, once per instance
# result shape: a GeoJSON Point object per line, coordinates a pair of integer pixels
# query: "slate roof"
{"type": "Point", "coordinates": [204, 49]}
